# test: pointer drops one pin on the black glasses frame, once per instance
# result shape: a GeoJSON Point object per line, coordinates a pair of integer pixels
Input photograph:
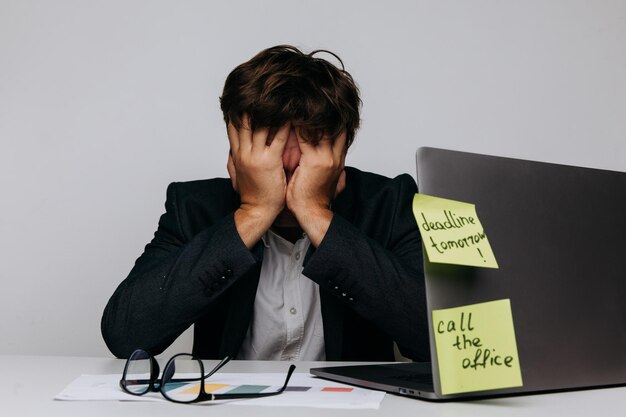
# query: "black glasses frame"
{"type": "Point", "coordinates": [154, 384]}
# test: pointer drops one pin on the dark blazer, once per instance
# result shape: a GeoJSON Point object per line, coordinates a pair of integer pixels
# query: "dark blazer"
{"type": "Point", "coordinates": [197, 271]}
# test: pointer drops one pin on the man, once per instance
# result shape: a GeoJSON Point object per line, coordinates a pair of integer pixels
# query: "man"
{"type": "Point", "coordinates": [295, 257]}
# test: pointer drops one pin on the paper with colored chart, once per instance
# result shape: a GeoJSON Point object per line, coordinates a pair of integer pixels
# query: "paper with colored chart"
{"type": "Point", "coordinates": [452, 232]}
{"type": "Point", "coordinates": [304, 390]}
{"type": "Point", "coordinates": [476, 347]}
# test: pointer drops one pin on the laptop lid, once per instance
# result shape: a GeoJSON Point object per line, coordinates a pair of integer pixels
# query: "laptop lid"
{"type": "Point", "coordinates": [558, 235]}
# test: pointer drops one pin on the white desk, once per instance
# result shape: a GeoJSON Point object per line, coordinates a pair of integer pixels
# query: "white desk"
{"type": "Point", "coordinates": [28, 384]}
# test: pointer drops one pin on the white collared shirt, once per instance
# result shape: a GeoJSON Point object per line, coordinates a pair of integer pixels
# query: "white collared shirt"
{"type": "Point", "coordinates": [286, 322]}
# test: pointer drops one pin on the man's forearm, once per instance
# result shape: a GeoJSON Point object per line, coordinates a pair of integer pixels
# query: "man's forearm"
{"type": "Point", "coordinates": [252, 223]}
{"type": "Point", "coordinates": [172, 284]}
{"type": "Point", "coordinates": [385, 287]}
{"type": "Point", "coordinates": [315, 224]}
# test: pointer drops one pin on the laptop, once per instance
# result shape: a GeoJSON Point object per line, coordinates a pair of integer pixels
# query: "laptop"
{"type": "Point", "coordinates": [559, 236]}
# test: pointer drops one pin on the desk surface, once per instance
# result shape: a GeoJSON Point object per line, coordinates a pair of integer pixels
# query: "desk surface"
{"type": "Point", "coordinates": [28, 384]}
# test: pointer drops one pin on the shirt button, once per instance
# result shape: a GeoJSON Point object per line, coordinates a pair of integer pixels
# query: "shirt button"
{"type": "Point", "coordinates": [297, 256]}
{"type": "Point", "coordinates": [293, 310]}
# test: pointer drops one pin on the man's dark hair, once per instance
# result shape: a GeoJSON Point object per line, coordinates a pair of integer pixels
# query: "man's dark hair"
{"type": "Point", "coordinates": [282, 84]}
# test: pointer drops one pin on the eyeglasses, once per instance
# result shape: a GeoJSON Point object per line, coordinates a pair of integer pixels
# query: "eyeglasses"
{"type": "Point", "coordinates": [183, 379]}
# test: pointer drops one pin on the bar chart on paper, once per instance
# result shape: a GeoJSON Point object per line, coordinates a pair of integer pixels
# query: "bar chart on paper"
{"type": "Point", "coordinates": [304, 390]}
{"type": "Point", "coordinates": [193, 389]}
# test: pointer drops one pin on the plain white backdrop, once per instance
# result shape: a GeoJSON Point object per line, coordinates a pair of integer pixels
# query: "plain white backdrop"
{"type": "Point", "coordinates": [103, 103]}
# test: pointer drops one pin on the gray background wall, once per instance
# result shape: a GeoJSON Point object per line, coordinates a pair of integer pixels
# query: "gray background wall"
{"type": "Point", "coordinates": [102, 104]}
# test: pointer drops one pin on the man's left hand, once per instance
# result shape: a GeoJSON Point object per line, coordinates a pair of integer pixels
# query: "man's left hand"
{"type": "Point", "coordinates": [315, 183]}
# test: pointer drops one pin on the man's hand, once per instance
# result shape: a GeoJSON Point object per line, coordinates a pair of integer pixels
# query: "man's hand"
{"type": "Point", "coordinates": [315, 183]}
{"type": "Point", "coordinates": [256, 171]}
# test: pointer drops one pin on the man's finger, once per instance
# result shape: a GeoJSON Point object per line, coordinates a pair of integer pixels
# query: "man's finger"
{"type": "Point", "coordinates": [305, 146]}
{"type": "Point", "coordinates": [245, 133]}
{"type": "Point", "coordinates": [339, 147]}
{"type": "Point", "coordinates": [280, 139]}
{"type": "Point", "coordinates": [233, 137]}
{"type": "Point", "coordinates": [232, 172]}
{"type": "Point", "coordinates": [341, 183]}
{"type": "Point", "coordinates": [259, 139]}
{"type": "Point", "coordinates": [245, 122]}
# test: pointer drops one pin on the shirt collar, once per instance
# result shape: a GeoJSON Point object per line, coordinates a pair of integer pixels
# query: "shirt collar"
{"type": "Point", "coordinates": [270, 238]}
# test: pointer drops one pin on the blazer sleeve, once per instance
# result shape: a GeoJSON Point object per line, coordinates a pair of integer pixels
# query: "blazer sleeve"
{"type": "Point", "coordinates": [379, 273]}
{"type": "Point", "coordinates": [175, 281]}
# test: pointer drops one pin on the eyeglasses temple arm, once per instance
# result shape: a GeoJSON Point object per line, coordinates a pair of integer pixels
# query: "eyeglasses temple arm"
{"type": "Point", "coordinates": [289, 373]}
{"type": "Point", "coordinates": [267, 394]}
{"type": "Point", "coordinates": [218, 366]}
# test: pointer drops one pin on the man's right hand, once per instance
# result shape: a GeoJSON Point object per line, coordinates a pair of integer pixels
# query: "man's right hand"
{"type": "Point", "coordinates": [257, 174]}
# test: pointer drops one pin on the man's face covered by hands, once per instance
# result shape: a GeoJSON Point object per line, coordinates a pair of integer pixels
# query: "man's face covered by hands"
{"type": "Point", "coordinates": [279, 169]}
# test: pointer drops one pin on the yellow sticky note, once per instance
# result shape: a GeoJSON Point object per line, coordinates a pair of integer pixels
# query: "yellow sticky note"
{"type": "Point", "coordinates": [452, 232]}
{"type": "Point", "coordinates": [476, 347]}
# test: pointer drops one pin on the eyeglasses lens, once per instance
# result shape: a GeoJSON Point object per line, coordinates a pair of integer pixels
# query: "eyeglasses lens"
{"type": "Point", "coordinates": [181, 378]}
{"type": "Point", "coordinates": [137, 377]}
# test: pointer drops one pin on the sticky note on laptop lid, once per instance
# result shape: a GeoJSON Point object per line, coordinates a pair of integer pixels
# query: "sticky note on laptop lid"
{"type": "Point", "coordinates": [476, 347]}
{"type": "Point", "coordinates": [452, 232]}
